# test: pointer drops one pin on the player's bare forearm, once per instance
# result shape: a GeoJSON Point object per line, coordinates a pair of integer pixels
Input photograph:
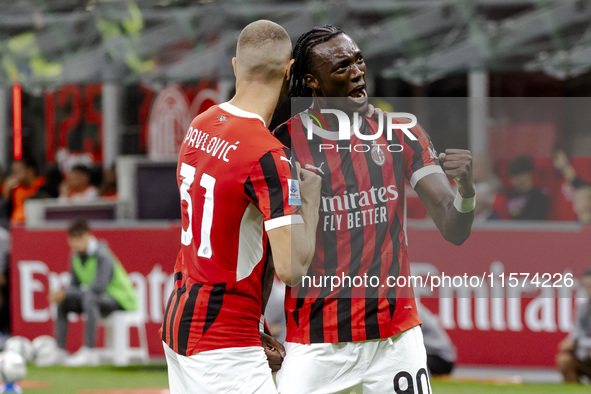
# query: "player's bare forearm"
{"type": "Point", "coordinates": [304, 242]}
{"type": "Point", "coordinates": [310, 215]}
{"type": "Point", "coordinates": [292, 251]}
{"type": "Point", "coordinates": [293, 246]}
{"type": "Point", "coordinates": [438, 196]}
{"type": "Point", "coordinates": [304, 235]}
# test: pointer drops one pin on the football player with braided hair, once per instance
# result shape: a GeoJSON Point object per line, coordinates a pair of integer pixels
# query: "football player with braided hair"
{"type": "Point", "coordinates": [365, 338]}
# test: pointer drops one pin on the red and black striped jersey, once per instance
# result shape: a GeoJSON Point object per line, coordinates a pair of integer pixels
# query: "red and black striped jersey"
{"type": "Point", "coordinates": [236, 183]}
{"type": "Point", "coordinates": [361, 232]}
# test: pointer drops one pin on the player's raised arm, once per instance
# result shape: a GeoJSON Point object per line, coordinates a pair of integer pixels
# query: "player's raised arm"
{"type": "Point", "coordinates": [293, 246]}
{"type": "Point", "coordinates": [453, 213]}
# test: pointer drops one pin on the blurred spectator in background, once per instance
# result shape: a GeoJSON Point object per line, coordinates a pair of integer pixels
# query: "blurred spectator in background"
{"type": "Point", "coordinates": [487, 186]}
{"type": "Point", "coordinates": [582, 190]}
{"type": "Point", "coordinates": [76, 186]}
{"type": "Point", "coordinates": [51, 188]}
{"type": "Point", "coordinates": [485, 199]}
{"type": "Point", "coordinates": [574, 352]}
{"type": "Point", "coordinates": [20, 185]}
{"type": "Point", "coordinates": [582, 204]}
{"type": "Point", "coordinates": [108, 186]}
{"type": "Point", "coordinates": [441, 353]}
{"type": "Point", "coordinates": [99, 286]}
{"type": "Point", "coordinates": [483, 171]}
{"type": "Point", "coordinates": [523, 201]}
{"type": "Point", "coordinates": [562, 164]}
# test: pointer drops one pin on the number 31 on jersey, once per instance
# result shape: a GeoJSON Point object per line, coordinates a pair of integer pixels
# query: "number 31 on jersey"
{"type": "Point", "coordinates": [207, 182]}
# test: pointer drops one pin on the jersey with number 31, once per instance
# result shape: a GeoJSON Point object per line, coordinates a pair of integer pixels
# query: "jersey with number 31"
{"type": "Point", "coordinates": [236, 182]}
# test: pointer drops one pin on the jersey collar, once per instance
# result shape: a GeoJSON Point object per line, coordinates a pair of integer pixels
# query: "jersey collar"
{"type": "Point", "coordinates": [239, 112]}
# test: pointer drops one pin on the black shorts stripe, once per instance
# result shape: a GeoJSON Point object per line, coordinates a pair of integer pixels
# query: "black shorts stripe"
{"type": "Point", "coordinates": [214, 306]}
{"type": "Point", "coordinates": [179, 293]}
{"type": "Point", "coordinates": [274, 186]}
{"type": "Point", "coordinates": [187, 319]}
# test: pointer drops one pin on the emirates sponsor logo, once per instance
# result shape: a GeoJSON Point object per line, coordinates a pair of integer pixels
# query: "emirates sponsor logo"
{"type": "Point", "coordinates": [351, 210]}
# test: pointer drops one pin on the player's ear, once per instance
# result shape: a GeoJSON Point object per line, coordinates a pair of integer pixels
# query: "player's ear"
{"type": "Point", "coordinates": [288, 70]}
{"type": "Point", "coordinates": [311, 81]}
{"type": "Point", "coordinates": [234, 66]}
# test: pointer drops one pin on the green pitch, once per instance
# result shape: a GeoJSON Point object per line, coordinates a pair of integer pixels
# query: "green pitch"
{"type": "Point", "coordinates": [62, 380]}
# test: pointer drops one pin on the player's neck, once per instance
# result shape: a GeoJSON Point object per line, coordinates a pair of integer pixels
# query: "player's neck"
{"type": "Point", "coordinates": [257, 98]}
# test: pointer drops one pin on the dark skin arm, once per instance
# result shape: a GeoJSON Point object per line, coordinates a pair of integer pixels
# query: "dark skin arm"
{"type": "Point", "coordinates": [438, 196]}
{"type": "Point", "coordinates": [268, 277]}
{"type": "Point", "coordinates": [274, 350]}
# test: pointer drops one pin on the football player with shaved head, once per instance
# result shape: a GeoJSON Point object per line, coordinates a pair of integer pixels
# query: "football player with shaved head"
{"type": "Point", "coordinates": [240, 195]}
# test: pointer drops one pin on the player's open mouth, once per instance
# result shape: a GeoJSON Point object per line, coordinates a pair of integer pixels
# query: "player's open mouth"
{"type": "Point", "coordinates": [358, 94]}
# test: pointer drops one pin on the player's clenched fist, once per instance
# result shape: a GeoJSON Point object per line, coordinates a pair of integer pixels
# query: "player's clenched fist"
{"type": "Point", "coordinates": [457, 164]}
{"type": "Point", "coordinates": [274, 351]}
{"type": "Point", "coordinates": [310, 184]}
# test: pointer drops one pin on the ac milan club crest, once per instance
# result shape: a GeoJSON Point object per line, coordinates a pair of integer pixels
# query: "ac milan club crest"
{"type": "Point", "coordinates": [377, 155]}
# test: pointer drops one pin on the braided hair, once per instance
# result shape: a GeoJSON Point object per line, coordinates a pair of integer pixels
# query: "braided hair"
{"type": "Point", "coordinates": [302, 57]}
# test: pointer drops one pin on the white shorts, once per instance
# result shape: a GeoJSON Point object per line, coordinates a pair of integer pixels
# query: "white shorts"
{"type": "Point", "coordinates": [393, 365]}
{"type": "Point", "coordinates": [230, 370]}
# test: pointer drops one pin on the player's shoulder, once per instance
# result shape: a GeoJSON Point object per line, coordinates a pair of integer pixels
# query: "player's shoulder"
{"type": "Point", "coordinates": [206, 115]}
{"type": "Point", "coordinates": [271, 145]}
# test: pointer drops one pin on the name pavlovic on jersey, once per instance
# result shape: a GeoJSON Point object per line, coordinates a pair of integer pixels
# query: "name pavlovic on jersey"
{"type": "Point", "coordinates": [361, 232]}
{"type": "Point", "coordinates": [235, 183]}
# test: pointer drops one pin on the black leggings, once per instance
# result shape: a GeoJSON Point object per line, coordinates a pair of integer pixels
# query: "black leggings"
{"type": "Point", "coordinates": [439, 366]}
{"type": "Point", "coordinates": [92, 305]}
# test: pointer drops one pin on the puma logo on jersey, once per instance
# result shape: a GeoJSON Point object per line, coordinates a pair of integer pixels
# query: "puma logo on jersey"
{"type": "Point", "coordinates": [287, 160]}
{"type": "Point", "coordinates": [318, 169]}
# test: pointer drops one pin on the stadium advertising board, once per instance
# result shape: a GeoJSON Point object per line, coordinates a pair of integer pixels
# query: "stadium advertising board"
{"type": "Point", "coordinates": [506, 315]}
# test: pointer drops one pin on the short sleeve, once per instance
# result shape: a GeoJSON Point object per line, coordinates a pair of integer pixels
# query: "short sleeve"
{"type": "Point", "coordinates": [272, 186]}
{"type": "Point", "coordinates": [420, 157]}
